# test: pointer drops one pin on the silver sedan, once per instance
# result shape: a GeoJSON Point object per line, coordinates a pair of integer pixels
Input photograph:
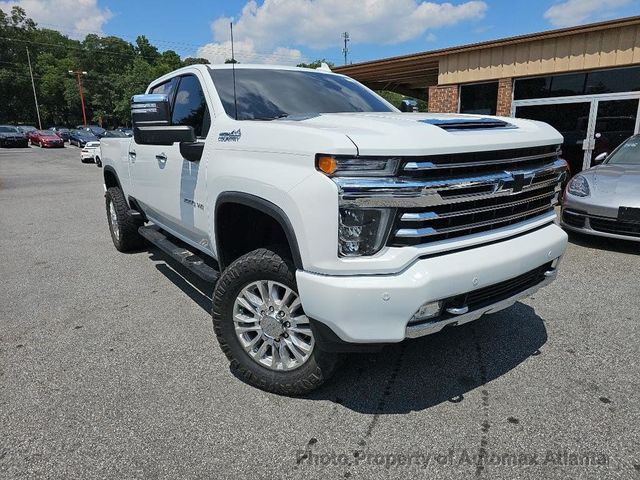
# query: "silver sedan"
{"type": "Point", "coordinates": [605, 200]}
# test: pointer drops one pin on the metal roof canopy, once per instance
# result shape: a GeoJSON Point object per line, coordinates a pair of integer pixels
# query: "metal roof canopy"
{"type": "Point", "coordinates": [413, 74]}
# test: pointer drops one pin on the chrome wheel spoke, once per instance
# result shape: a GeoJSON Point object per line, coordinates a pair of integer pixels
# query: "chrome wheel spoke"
{"type": "Point", "coordinates": [271, 325]}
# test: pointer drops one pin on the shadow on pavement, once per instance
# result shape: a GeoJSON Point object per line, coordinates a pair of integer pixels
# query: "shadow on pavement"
{"type": "Point", "coordinates": [415, 374]}
{"type": "Point", "coordinates": [604, 243]}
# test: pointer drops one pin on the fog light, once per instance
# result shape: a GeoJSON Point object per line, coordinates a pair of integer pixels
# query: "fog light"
{"type": "Point", "coordinates": [427, 311]}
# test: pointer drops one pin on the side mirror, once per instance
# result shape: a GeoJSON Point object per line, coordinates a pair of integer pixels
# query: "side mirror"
{"type": "Point", "coordinates": [151, 118]}
{"type": "Point", "coordinates": [600, 158]}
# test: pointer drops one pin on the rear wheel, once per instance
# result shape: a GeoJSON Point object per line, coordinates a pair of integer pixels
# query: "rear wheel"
{"type": "Point", "coordinates": [123, 227]}
{"type": "Point", "coordinates": [262, 328]}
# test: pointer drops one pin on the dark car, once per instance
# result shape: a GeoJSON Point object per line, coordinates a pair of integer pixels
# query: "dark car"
{"type": "Point", "coordinates": [127, 131]}
{"type": "Point", "coordinates": [79, 138]}
{"type": "Point", "coordinates": [62, 132]}
{"type": "Point", "coordinates": [26, 128]}
{"type": "Point", "coordinates": [45, 138]}
{"type": "Point", "coordinates": [12, 137]}
{"type": "Point", "coordinates": [115, 134]}
{"type": "Point", "coordinates": [409, 105]}
{"type": "Point", "coordinates": [96, 130]}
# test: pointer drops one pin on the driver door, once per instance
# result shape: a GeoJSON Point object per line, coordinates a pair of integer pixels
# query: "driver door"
{"type": "Point", "coordinates": [170, 188]}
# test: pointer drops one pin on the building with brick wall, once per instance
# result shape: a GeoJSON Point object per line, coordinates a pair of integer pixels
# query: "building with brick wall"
{"type": "Point", "coordinates": [585, 81]}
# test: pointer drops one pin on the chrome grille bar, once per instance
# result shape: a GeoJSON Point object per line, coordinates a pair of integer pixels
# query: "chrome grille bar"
{"type": "Point", "coordinates": [409, 192]}
{"type": "Point", "coordinates": [425, 216]}
{"type": "Point", "coordinates": [420, 166]}
{"type": "Point", "coordinates": [429, 231]}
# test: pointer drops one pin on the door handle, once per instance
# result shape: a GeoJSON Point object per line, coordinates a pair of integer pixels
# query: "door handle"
{"type": "Point", "coordinates": [161, 157]}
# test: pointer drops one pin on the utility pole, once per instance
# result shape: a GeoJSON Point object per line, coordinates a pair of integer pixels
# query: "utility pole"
{"type": "Point", "coordinates": [33, 84]}
{"type": "Point", "coordinates": [345, 49]}
{"type": "Point", "coordinates": [79, 74]}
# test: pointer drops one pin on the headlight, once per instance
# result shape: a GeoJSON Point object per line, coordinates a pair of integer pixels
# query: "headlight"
{"type": "Point", "coordinates": [578, 186]}
{"type": "Point", "coordinates": [362, 231]}
{"type": "Point", "coordinates": [357, 166]}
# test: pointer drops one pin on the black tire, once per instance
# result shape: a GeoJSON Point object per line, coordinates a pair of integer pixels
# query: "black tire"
{"type": "Point", "coordinates": [264, 264]}
{"type": "Point", "coordinates": [127, 237]}
{"type": "Point", "coordinates": [98, 161]}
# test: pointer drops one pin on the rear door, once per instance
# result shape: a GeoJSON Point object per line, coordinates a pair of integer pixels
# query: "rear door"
{"type": "Point", "coordinates": [171, 189]}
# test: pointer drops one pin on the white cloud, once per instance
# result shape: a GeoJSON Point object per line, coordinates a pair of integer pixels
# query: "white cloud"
{"type": "Point", "coordinates": [575, 12]}
{"type": "Point", "coordinates": [76, 18]}
{"type": "Point", "coordinates": [245, 52]}
{"type": "Point", "coordinates": [318, 24]}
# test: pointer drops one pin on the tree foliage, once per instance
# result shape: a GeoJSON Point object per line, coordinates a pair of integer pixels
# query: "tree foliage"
{"type": "Point", "coordinates": [116, 70]}
{"type": "Point", "coordinates": [316, 64]}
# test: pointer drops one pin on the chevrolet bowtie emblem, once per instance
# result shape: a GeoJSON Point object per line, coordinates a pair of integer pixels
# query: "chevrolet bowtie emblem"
{"type": "Point", "coordinates": [518, 182]}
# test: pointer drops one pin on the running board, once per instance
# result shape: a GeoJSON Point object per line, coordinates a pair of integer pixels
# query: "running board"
{"type": "Point", "coordinates": [185, 257]}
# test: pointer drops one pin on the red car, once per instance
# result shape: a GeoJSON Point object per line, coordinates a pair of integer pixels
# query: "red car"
{"type": "Point", "coordinates": [45, 138]}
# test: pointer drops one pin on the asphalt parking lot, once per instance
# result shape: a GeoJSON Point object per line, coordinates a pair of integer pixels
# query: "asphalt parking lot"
{"type": "Point", "coordinates": [109, 367]}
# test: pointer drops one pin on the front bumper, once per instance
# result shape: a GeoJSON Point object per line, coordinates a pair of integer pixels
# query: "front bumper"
{"type": "Point", "coordinates": [601, 226]}
{"type": "Point", "coordinates": [379, 308]}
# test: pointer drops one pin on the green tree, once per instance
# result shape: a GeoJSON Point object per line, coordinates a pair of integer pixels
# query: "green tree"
{"type": "Point", "coordinates": [195, 61]}
{"type": "Point", "coordinates": [316, 64]}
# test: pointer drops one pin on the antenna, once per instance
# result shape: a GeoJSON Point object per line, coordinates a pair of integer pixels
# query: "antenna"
{"type": "Point", "coordinates": [345, 49]}
{"type": "Point", "coordinates": [233, 70]}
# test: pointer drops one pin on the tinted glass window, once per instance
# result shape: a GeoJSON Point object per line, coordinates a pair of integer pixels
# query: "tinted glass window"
{"type": "Point", "coordinates": [267, 94]}
{"type": "Point", "coordinates": [190, 107]}
{"type": "Point", "coordinates": [627, 154]}
{"type": "Point", "coordinates": [8, 129]}
{"type": "Point", "coordinates": [481, 98]}
{"type": "Point", "coordinates": [166, 88]}
{"type": "Point", "coordinates": [601, 81]}
{"type": "Point", "coordinates": [613, 81]}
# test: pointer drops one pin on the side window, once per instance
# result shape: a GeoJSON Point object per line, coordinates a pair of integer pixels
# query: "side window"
{"type": "Point", "coordinates": [190, 107]}
{"type": "Point", "coordinates": [167, 88]}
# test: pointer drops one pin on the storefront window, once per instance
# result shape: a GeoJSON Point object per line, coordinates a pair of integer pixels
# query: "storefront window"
{"type": "Point", "coordinates": [601, 81]}
{"type": "Point", "coordinates": [480, 98]}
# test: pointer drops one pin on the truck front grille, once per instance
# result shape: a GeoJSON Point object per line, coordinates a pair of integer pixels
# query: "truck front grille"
{"type": "Point", "coordinates": [414, 226]}
{"type": "Point", "coordinates": [477, 192]}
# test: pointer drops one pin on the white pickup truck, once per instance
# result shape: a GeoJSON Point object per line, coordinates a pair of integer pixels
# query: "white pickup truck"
{"type": "Point", "coordinates": [329, 221]}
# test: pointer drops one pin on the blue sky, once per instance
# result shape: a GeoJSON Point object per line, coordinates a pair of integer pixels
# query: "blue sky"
{"type": "Point", "coordinates": [289, 31]}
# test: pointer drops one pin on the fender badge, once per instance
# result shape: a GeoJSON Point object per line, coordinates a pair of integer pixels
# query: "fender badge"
{"type": "Point", "coordinates": [232, 136]}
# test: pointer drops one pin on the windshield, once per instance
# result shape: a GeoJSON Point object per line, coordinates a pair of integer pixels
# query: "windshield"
{"type": "Point", "coordinates": [8, 129]}
{"type": "Point", "coordinates": [627, 154]}
{"type": "Point", "coordinates": [115, 133]}
{"type": "Point", "coordinates": [268, 94]}
{"type": "Point", "coordinates": [47, 132]}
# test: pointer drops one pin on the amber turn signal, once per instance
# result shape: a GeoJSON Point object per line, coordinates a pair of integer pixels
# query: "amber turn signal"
{"type": "Point", "coordinates": [326, 164]}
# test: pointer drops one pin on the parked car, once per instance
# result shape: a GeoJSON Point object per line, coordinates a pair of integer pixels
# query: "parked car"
{"type": "Point", "coordinates": [10, 136]}
{"type": "Point", "coordinates": [26, 128]}
{"type": "Point", "coordinates": [605, 200]}
{"type": "Point", "coordinates": [115, 134]}
{"type": "Point", "coordinates": [127, 131]}
{"type": "Point", "coordinates": [45, 138]}
{"type": "Point", "coordinates": [327, 219]}
{"type": "Point", "coordinates": [409, 105]}
{"type": "Point", "coordinates": [80, 137]}
{"type": "Point", "coordinates": [62, 132]}
{"type": "Point", "coordinates": [90, 152]}
{"type": "Point", "coordinates": [97, 130]}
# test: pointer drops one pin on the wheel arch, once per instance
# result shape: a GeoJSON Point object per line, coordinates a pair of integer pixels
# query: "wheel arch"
{"type": "Point", "coordinates": [264, 207]}
{"type": "Point", "coordinates": [111, 177]}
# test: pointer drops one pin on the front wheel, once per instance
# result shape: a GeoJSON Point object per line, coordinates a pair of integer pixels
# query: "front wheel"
{"type": "Point", "coordinates": [262, 328]}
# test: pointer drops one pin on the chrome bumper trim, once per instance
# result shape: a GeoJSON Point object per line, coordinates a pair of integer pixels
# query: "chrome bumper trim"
{"type": "Point", "coordinates": [415, 331]}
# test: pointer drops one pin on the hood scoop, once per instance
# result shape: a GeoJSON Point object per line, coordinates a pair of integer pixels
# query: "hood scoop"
{"type": "Point", "coordinates": [468, 123]}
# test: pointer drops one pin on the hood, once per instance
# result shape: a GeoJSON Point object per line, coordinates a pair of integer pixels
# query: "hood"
{"type": "Point", "coordinates": [391, 133]}
{"type": "Point", "coordinates": [619, 184]}
{"type": "Point", "coordinates": [49, 137]}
